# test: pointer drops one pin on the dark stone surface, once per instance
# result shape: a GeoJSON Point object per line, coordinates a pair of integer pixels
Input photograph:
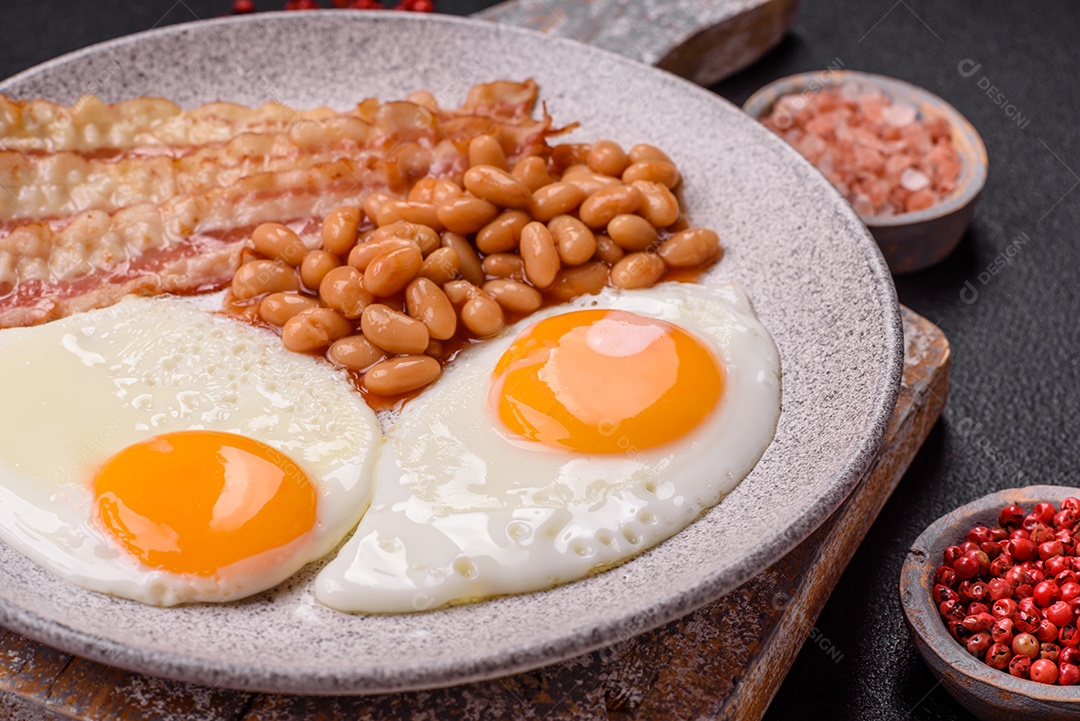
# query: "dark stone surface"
{"type": "Point", "coordinates": [1014, 400]}
{"type": "Point", "coordinates": [1012, 415]}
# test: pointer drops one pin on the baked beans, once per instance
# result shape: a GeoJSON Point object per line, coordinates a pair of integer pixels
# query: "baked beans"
{"type": "Point", "coordinates": [483, 316]}
{"type": "Point", "coordinates": [691, 248]}
{"type": "Point", "coordinates": [587, 181]}
{"type": "Point", "coordinates": [644, 151]}
{"type": "Point", "coordinates": [466, 214]}
{"type": "Point", "coordinates": [573, 239]}
{"type": "Point", "coordinates": [343, 290]}
{"type": "Point", "coordinates": [403, 374]}
{"type": "Point", "coordinates": [532, 171]}
{"type": "Point", "coordinates": [392, 331]}
{"type": "Point", "coordinates": [427, 303]}
{"type": "Point", "coordinates": [277, 308]}
{"type": "Point", "coordinates": [434, 191]}
{"type": "Point", "coordinates": [607, 158]}
{"type": "Point", "coordinates": [389, 272]}
{"type": "Point", "coordinates": [468, 260]}
{"type": "Point", "coordinates": [278, 242]}
{"type": "Point", "coordinates": [631, 232]}
{"type": "Point", "coordinates": [504, 265]}
{"type": "Point", "coordinates": [263, 276]}
{"type": "Point", "coordinates": [555, 199]}
{"type": "Point", "coordinates": [355, 353]}
{"type": "Point", "coordinates": [497, 186]}
{"type": "Point", "coordinates": [393, 211]}
{"type": "Point", "coordinates": [603, 205]}
{"type": "Point", "coordinates": [441, 266]}
{"type": "Point", "coordinates": [569, 154]}
{"type": "Point", "coordinates": [339, 229]}
{"type": "Point", "coordinates": [514, 296]}
{"type": "Point", "coordinates": [502, 234]}
{"type": "Point", "coordinates": [637, 270]}
{"type": "Point", "coordinates": [654, 171]}
{"type": "Point", "coordinates": [424, 236]}
{"type": "Point", "coordinates": [659, 205]}
{"type": "Point", "coordinates": [608, 250]}
{"type": "Point", "coordinates": [460, 291]}
{"type": "Point", "coordinates": [587, 279]}
{"type": "Point", "coordinates": [486, 150]}
{"type": "Point", "coordinates": [539, 255]}
{"type": "Point", "coordinates": [314, 329]}
{"type": "Point", "coordinates": [446, 259]}
{"type": "Point", "coordinates": [361, 256]}
{"type": "Point", "coordinates": [317, 263]}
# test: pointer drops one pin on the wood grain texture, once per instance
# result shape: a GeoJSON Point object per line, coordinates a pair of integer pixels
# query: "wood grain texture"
{"type": "Point", "coordinates": [725, 660]}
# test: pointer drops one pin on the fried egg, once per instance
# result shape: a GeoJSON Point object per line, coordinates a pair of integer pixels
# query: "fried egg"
{"type": "Point", "coordinates": [578, 438]}
{"type": "Point", "coordinates": [162, 454]}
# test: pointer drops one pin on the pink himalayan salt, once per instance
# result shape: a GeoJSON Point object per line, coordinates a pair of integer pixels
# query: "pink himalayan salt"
{"type": "Point", "coordinates": [879, 154]}
{"type": "Point", "coordinates": [912, 179]}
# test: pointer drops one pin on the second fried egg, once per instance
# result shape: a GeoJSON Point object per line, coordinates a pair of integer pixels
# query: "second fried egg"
{"type": "Point", "coordinates": [579, 438]}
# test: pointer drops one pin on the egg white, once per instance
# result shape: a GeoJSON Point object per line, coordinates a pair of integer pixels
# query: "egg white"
{"type": "Point", "coordinates": [78, 390]}
{"type": "Point", "coordinates": [462, 513]}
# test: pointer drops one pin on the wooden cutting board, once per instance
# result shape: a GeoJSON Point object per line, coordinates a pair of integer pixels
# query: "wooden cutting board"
{"type": "Point", "coordinates": [725, 660]}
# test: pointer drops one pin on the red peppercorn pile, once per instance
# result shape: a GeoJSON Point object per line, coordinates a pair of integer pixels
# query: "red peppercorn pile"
{"type": "Point", "coordinates": [1011, 594]}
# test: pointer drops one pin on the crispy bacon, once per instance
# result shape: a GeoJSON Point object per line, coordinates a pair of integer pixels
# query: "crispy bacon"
{"type": "Point", "coordinates": [171, 208]}
{"type": "Point", "coordinates": [93, 126]}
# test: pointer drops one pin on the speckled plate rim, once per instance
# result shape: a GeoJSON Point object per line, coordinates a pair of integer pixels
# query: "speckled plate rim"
{"type": "Point", "coordinates": [921, 614]}
{"type": "Point", "coordinates": [973, 169]}
{"type": "Point", "coordinates": [559, 644]}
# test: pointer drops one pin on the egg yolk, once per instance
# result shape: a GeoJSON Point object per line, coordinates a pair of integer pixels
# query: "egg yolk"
{"type": "Point", "coordinates": [198, 501]}
{"type": "Point", "coordinates": [604, 381]}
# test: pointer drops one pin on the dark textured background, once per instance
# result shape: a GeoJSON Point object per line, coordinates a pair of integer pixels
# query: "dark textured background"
{"type": "Point", "coordinates": [1012, 416]}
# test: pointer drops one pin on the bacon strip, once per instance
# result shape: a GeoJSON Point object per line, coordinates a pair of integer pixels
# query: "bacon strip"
{"type": "Point", "coordinates": [43, 187]}
{"type": "Point", "coordinates": [54, 186]}
{"type": "Point", "coordinates": [91, 125]}
{"type": "Point", "coordinates": [130, 209]}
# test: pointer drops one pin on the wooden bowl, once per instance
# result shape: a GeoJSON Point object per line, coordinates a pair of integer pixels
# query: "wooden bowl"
{"type": "Point", "coordinates": [920, 239]}
{"type": "Point", "coordinates": [990, 694]}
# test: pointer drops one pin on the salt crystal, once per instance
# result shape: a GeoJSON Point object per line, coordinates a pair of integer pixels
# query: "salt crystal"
{"type": "Point", "coordinates": [812, 146]}
{"type": "Point", "coordinates": [899, 114]}
{"type": "Point", "coordinates": [878, 192]}
{"type": "Point", "coordinates": [867, 138]}
{"type": "Point", "coordinates": [938, 128]}
{"type": "Point", "coordinates": [913, 180]}
{"type": "Point", "coordinates": [872, 107]}
{"type": "Point", "coordinates": [896, 164]}
{"type": "Point", "coordinates": [868, 159]}
{"type": "Point", "coordinates": [862, 204]}
{"type": "Point", "coordinates": [950, 170]}
{"type": "Point", "coordinates": [917, 138]}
